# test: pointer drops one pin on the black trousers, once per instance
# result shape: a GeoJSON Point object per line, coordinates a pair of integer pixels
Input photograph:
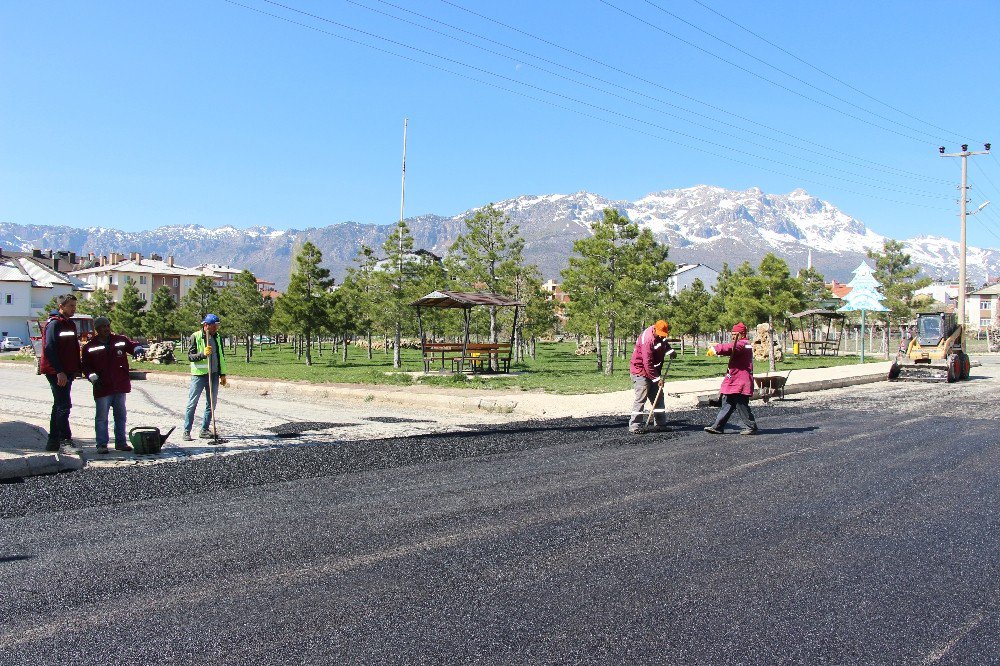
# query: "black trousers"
{"type": "Point", "coordinates": [739, 403]}
{"type": "Point", "coordinates": [62, 402]}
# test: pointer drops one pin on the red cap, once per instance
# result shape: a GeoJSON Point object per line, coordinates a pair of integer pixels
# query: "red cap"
{"type": "Point", "coordinates": [740, 328]}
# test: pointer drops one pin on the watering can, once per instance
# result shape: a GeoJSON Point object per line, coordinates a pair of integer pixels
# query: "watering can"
{"type": "Point", "coordinates": [147, 440]}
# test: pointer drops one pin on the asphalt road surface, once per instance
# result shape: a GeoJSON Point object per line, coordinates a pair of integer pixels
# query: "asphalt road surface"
{"type": "Point", "coordinates": [862, 527]}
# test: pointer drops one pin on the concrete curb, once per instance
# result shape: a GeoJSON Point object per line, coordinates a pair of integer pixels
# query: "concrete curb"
{"type": "Point", "coordinates": [35, 460]}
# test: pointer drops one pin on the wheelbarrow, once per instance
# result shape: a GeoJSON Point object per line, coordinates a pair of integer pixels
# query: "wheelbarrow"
{"type": "Point", "coordinates": [770, 386]}
{"type": "Point", "coordinates": [147, 440]}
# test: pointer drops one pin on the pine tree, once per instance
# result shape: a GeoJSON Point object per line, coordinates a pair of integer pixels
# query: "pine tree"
{"type": "Point", "coordinates": [303, 308]}
{"type": "Point", "coordinates": [766, 296]}
{"type": "Point", "coordinates": [616, 275]}
{"type": "Point", "coordinates": [199, 301]}
{"type": "Point", "coordinates": [100, 304]}
{"type": "Point", "coordinates": [127, 316]}
{"type": "Point", "coordinates": [689, 309]}
{"type": "Point", "coordinates": [160, 320]}
{"type": "Point", "coordinates": [246, 315]}
{"type": "Point", "coordinates": [898, 277]}
{"type": "Point", "coordinates": [814, 287]}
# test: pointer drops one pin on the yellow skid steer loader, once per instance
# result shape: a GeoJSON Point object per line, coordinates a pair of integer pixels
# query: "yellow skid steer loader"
{"type": "Point", "coordinates": [935, 353]}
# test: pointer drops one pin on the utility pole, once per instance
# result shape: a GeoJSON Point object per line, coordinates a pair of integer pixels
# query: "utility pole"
{"type": "Point", "coordinates": [402, 199]}
{"type": "Point", "coordinates": [963, 201]}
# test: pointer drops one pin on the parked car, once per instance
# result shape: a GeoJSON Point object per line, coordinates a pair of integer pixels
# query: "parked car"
{"type": "Point", "coordinates": [11, 343]}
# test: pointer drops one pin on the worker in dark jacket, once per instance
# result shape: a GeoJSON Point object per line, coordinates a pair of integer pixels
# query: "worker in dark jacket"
{"type": "Point", "coordinates": [105, 363]}
{"type": "Point", "coordinates": [737, 386]}
{"type": "Point", "coordinates": [60, 363]}
{"type": "Point", "coordinates": [208, 370]}
{"type": "Point", "coordinates": [646, 370]}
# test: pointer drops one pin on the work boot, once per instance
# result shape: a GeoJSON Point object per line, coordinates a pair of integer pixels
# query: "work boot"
{"type": "Point", "coordinates": [52, 445]}
{"type": "Point", "coordinates": [187, 436]}
{"type": "Point", "coordinates": [122, 447]}
{"type": "Point", "coordinates": [748, 431]}
{"type": "Point", "coordinates": [637, 431]}
{"type": "Point", "coordinates": [70, 443]}
{"type": "Point", "coordinates": [712, 429]}
{"type": "Point", "coordinates": [206, 434]}
{"type": "Point", "coordinates": [102, 450]}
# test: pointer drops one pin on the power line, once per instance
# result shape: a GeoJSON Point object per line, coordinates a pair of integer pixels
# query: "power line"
{"type": "Point", "coordinates": [676, 92]}
{"type": "Point", "coordinates": [824, 72]}
{"type": "Point", "coordinates": [761, 76]}
{"type": "Point", "coordinates": [606, 92]}
{"type": "Point", "coordinates": [560, 106]}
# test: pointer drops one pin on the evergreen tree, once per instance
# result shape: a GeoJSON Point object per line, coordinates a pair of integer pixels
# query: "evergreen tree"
{"type": "Point", "coordinates": [100, 304]}
{"type": "Point", "coordinates": [767, 296]}
{"type": "Point", "coordinates": [614, 274]}
{"type": "Point", "coordinates": [246, 315]}
{"type": "Point", "coordinates": [717, 315]}
{"type": "Point", "coordinates": [303, 309]}
{"type": "Point", "coordinates": [489, 255]}
{"type": "Point", "coordinates": [898, 277]}
{"type": "Point", "coordinates": [199, 301]}
{"type": "Point", "coordinates": [126, 318]}
{"type": "Point", "coordinates": [814, 287]}
{"type": "Point", "coordinates": [160, 320]}
{"type": "Point", "coordinates": [689, 311]}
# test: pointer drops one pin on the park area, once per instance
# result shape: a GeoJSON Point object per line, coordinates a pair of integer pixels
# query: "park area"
{"type": "Point", "coordinates": [556, 369]}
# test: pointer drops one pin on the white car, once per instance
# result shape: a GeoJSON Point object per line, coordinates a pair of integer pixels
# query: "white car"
{"type": "Point", "coordinates": [11, 344]}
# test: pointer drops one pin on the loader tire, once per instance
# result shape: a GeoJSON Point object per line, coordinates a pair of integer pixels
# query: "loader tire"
{"type": "Point", "coordinates": [954, 368]}
{"type": "Point", "coordinates": [966, 366]}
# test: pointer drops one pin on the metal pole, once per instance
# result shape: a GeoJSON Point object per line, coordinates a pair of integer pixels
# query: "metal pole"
{"type": "Point", "coordinates": [961, 260]}
{"type": "Point", "coordinates": [862, 336]}
{"type": "Point", "coordinates": [402, 200]}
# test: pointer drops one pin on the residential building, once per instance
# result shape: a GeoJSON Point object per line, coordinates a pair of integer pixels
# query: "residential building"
{"type": "Point", "coordinates": [150, 274]}
{"type": "Point", "coordinates": [27, 284]}
{"type": "Point", "coordinates": [686, 274]}
{"type": "Point", "coordinates": [221, 274]}
{"type": "Point", "coordinates": [984, 302]}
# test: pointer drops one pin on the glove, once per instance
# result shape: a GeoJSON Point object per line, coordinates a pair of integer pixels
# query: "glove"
{"type": "Point", "coordinates": [208, 350]}
{"type": "Point", "coordinates": [672, 353]}
{"type": "Point", "coordinates": [222, 380]}
{"type": "Point", "coordinates": [710, 352]}
{"type": "Point", "coordinates": [661, 382]}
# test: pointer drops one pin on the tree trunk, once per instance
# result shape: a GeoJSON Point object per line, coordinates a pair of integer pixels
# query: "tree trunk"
{"type": "Point", "coordinates": [396, 360]}
{"type": "Point", "coordinates": [369, 344]}
{"type": "Point", "coordinates": [249, 347]}
{"type": "Point", "coordinates": [609, 368]}
{"type": "Point", "coordinates": [533, 348]}
{"type": "Point", "coordinates": [597, 344]}
{"type": "Point", "coordinates": [308, 344]}
{"type": "Point", "coordinates": [770, 345]}
{"type": "Point", "coordinates": [344, 357]}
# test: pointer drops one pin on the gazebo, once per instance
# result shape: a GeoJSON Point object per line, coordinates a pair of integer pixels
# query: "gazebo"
{"type": "Point", "coordinates": [816, 331]}
{"type": "Point", "coordinates": [476, 357]}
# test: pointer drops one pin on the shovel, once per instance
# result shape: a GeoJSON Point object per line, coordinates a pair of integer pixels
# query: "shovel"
{"type": "Point", "coordinates": [659, 392]}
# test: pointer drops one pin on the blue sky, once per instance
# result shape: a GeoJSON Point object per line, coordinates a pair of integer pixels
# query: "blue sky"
{"type": "Point", "coordinates": [140, 114]}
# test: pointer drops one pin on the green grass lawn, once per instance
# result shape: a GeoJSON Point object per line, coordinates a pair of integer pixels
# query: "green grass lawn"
{"type": "Point", "coordinates": [556, 370]}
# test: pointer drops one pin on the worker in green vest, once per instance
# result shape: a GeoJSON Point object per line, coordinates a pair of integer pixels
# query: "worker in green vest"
{"type": "Point", "coordinates": [208, 370]}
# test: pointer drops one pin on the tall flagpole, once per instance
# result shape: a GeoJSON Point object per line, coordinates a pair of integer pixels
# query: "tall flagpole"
{"type": "Point", "coordinates": [402, 199]}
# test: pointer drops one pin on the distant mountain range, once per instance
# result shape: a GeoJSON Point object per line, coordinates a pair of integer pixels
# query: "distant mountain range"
{"type": "Point", "coordinates": [702, 224]}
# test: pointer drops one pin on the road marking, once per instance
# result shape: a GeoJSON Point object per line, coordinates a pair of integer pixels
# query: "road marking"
{"type": "Point", "coordinates": [947, 647]}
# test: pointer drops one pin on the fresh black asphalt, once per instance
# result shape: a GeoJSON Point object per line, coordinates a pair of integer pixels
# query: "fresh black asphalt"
{"type": "Point", "coordinates": [861, 530]}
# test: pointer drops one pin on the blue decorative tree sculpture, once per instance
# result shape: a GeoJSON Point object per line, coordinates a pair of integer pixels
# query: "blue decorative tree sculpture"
{"type": "Point", "coordinates": [864, 296]}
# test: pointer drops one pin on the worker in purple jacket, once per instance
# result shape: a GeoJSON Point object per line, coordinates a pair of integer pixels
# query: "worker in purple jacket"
{"type": "Point", "coordinates": [737, 386]}
{"type": "Point", "coordinates": [646, 369]}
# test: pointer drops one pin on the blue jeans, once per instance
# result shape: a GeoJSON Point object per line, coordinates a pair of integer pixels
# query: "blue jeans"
{"type": "Point", "coordinates": [199, 385]}
{"type": "Point", "coordinates": [114, 401]}
{"type": "Point", "coordinates": [62, 403]}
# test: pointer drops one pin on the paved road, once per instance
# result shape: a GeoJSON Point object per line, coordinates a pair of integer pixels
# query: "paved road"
{"type": "Point", "coordinates": [862, 528]}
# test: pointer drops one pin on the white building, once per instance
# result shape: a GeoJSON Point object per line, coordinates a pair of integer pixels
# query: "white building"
{"type": "Point", "coordinates": [26, 287]}
{"type": "Point", "coordinates": [147, 274]}
{"type": "Point", "coordinates": [686, 274]}
{"type": "Point", "coordinates": [980, 306]}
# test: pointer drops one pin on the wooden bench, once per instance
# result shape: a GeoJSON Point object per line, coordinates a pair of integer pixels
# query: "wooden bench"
{"type": "Point", "coordinates": [441, 351]}
{"type": "Point", "coordinates": [479, 356]}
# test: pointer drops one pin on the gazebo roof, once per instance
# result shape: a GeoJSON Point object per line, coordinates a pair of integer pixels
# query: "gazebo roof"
{"type": "Point", "coordinates": [463, 300]}
{"type": "Point", "coordinates": [817, 312]}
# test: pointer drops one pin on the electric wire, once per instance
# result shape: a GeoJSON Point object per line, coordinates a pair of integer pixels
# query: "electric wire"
{"type": "Point", "coordinates": [610, 93]}
{"type": "Point", "coordinates": [634, 119]}
{"type": "Point", "coordinates": [556, 105]}
{"type": "Point", "coordinates": [761, 76]}
{"type": "Point", "coordinates": [822, 71]}
{"type": "Point", "coordinates": [672, 91]}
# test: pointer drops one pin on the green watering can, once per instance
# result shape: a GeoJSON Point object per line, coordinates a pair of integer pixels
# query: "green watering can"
{"type": "Point", "coordinates": [147, 440]}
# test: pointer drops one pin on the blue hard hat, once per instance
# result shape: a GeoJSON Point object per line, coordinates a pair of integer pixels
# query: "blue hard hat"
{"type": "Point", "coordinates": [211, 319]}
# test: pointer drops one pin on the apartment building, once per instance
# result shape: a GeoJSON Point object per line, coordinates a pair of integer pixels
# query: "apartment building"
{"type": "Point", "coordinates": [27, 284]}
{"type": "Point", "coordinates": [149, 274]}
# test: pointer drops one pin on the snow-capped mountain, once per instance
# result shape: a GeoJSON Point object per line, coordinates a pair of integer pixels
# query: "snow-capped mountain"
{"type": "Point", "coordinates": [702, 224]}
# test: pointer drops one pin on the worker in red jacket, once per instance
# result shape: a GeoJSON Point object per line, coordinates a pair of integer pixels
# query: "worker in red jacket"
{"type": "Point", "coordinates": [60, 363]}
{"type": "Point", "coordinates": [105, 362]}
{"type": "Point", "coordinates": [737, 386]}
{"type": "Point", "coordinates": [646, 370]}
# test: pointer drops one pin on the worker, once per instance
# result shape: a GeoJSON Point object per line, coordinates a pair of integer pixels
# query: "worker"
{"type": "Point", "coordinates": [208, 370]}
{"type": "Point", "coordinates": [737, 386]}
{"type": "Point", "coordinates": [105, 364]}
{"type": "Point", "coordinates": [60, 363]}
{"type": "Point", "coordinates": [646, 368]}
